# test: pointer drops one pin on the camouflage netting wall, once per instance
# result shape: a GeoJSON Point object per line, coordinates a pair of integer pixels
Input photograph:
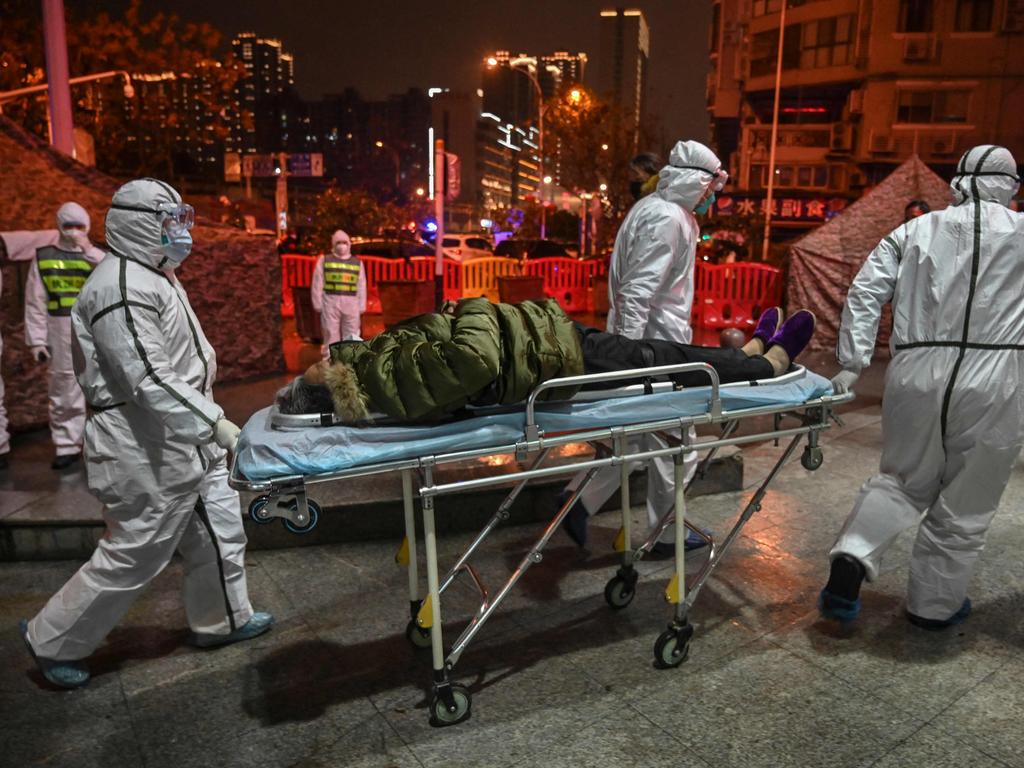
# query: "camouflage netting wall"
{"type": "Point", "coordinates": [823, 263]}
{"type": "Point", "coordinates": [233, 280]}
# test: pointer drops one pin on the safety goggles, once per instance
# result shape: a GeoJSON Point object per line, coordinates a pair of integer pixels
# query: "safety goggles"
{"type": "Point", "coordinates": [180, 215]}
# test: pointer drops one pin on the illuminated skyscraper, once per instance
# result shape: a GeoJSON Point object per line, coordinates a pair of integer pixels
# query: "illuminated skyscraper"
{"type": "Point", "coordinates": [622, 62]}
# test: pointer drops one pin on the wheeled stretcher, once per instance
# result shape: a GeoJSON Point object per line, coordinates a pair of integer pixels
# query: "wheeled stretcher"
{"type": "Point", "coordinates": [285, 457]}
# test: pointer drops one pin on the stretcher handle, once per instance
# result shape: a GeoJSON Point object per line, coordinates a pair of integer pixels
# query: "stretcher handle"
{"type": "Point", "coordinates": [632, 373]}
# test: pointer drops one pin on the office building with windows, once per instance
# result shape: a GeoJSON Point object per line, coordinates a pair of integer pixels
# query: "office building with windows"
{"type": "Point", "coordinates": [863, 87]}
{"type": "Point", "coordinates": [624, 48]}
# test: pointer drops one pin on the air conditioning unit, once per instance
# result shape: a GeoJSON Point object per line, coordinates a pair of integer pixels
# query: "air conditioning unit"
{"type": "Point", "coordinates": [919, 49]}
{"type": "Point", "coordinates": [841, 139]}
{"type": "Point", "coordinates": [944, 146]}
{"type": "Point", "coordinates": [881, 144]}
{"type": "Point", "coordinates": [855, 101]}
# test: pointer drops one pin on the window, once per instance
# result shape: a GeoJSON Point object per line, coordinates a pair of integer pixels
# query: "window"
{"type": "Point", "coordinates": [763, 7]}
{"type": "Point", "coordinates": [826, 42]}
{"type": "Point", "coordinates": [765, 50]}
{"type": "Point", "coordinates": [915, 16]}
{"type": "Point", "coordinates": [973, 15]}
{"type": "Point", "coordinates": [932, 107]}
{"type": "Point", "coordinates": [451, 242]}
{"type": "Point", "coordinates": [791, 176]}
{"type": "Point", "coordinates": [479, 243]}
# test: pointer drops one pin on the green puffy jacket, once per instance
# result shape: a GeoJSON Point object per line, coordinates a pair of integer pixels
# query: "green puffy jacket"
{"type": "Point", "coordinates": [482, 354]}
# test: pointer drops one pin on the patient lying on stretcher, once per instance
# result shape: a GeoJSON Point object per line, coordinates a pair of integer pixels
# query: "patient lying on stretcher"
{"type": "Point", "coordinates": [478, 353]}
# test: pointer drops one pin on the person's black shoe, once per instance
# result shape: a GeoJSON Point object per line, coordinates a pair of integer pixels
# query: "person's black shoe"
{"type": "Point", "coordinates": [936, 624]}
{"type": "Point", "coordinates": [575, 522]}
{"type": "Point", "coordinates": [4, 460]}
{"type": "Point", "coordinates": [668, 548]}
{"type": "Point", "coordinates": [65, 461]}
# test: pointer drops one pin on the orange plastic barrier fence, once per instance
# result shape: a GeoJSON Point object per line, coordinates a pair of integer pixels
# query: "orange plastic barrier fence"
{"type": "Point", "coordinates": [567, 280]}
{"type": "Point", "coordinates": [734, 295]}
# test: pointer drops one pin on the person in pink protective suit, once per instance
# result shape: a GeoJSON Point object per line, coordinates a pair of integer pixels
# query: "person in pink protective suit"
{"type": "Point", "coordinates": [338, 291]}
{"type": "Point", "coordinates": [54, 280]}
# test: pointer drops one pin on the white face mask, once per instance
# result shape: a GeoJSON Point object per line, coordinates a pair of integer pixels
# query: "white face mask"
{"type": "Point", "coordinates": [342, 248]}
{"type": "Point", "coordinates": [175, 244]}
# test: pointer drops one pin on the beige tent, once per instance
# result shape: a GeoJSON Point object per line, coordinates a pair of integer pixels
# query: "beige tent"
{"type": "Point", "coordinates": [823, 263]}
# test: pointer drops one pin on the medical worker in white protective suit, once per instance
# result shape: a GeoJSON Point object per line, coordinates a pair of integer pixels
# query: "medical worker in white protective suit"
{"type": "Point", "coordinates": [54, 280]}
{"type": "Point", "coordinates": [952, 410]}
{"type": "Point", "coordinates": [650, 293]}
{"type": "Point", "coordinates": [155, 446]}
{"type": "Point", "coordinates": [338, 292]}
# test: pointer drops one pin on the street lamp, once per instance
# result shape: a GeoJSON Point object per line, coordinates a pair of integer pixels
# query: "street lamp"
{"type": "Point", "coordinates": [527, 65]}
{"type": "Point", "coordinates": [394, 156]}
{"type": "Point", "coordinates": [129, 89]}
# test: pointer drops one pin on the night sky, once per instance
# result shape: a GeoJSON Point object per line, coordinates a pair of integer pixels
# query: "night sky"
{"type": "Point", "coordinates": [382, 47]}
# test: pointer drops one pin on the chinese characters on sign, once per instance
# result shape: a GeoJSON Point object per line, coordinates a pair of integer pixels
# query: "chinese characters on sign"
{"type": "Point", "coordinates": [783, 208]}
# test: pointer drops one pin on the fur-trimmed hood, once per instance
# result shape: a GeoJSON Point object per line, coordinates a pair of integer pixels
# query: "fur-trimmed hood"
{"type": "Point", "coordinates": [350, 403]}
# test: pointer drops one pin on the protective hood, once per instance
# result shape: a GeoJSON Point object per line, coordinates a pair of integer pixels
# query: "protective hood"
{"type": "Point", "coordinates": [71, 213]}
{"type": "Point", "coordinates": [340, 236]}
{"type": "Point", "coordinates": [692, 169]}
{"type": "Point", "coordinates": [986, 172]}
{"type": "Point", "coordinates": [133, 224]}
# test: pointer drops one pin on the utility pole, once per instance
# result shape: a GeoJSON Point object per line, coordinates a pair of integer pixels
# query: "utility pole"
{"type": "Point", "coordinates": [440, 168]}
{"type": "Point", "coordinates": [769, 199]}
{"type": "Point", "coordinates": [61, 126]}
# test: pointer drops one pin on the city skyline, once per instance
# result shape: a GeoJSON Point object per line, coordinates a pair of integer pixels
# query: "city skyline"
{"type": "Point", "coordinates": [447, 45]}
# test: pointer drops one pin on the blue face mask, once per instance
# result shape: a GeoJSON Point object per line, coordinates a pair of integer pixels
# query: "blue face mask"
{"type": "Point", "coordinates": [706, 205]}
{"type": "Point", "coordinates": [175, 245]}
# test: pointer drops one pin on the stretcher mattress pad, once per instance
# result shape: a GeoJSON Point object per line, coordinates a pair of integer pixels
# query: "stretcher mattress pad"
{"type": "Point", "coordinates": [265, 452]}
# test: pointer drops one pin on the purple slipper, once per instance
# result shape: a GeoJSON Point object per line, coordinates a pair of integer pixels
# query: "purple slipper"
{"type": "Point", "coordinates": [768, 324]}
{"type": "Point", "coordinates": [794, 333]}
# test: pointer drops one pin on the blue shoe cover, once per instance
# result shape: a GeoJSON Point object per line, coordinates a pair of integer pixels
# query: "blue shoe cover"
{"type": "Point", "coordinates": [936, 624]}
{"type": "Point", "coordinates": [64, 674]}
{"type": "Point", "coordinates": [838, 608]}
{"type": "Point", "coordinates": [255, 626]}
{"type": "Point", "coordinates": [693, 541]}
{"type": "Point", "coordinates": [575, 523]}
{"type": "Point", "coordinates": [668, 548]}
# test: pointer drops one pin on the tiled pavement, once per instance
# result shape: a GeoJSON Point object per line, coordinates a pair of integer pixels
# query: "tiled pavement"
{"type": "Point", "coordinates": [558, 679]}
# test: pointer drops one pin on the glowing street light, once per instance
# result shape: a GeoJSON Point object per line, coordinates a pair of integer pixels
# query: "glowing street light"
{"type": "Point", "coordinates": [420, 191]}
{"type": "Point", "coordinates": [547, 179]}
{"type": "Point", "coordinates": [604, 147]}
{"type": "Point", "coordinates": [491, 61]}
{"type": "Point", "coordinates": [575, 95]}
{"type": "Point", "coordinates": [603, 187]}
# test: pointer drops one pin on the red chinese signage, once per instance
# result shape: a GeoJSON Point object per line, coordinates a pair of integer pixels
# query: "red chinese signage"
{"type": "Point", "coordinates": [813, 209]}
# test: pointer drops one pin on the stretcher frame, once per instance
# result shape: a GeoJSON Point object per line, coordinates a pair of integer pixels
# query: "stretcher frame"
{"type": "Point", "coordinates": [287, 497]}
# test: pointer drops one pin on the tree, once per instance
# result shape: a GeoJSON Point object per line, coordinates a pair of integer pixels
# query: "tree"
{"type": "Point", "coordinates": [360, 214]}
{"type": "Point", "coordinates": [133, 138]}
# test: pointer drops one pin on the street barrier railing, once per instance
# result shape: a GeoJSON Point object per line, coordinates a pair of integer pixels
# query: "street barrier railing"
{"type": "Point", "coordinates": [734, 295]}
{"type": "Point", "coordinates": [570, 281]}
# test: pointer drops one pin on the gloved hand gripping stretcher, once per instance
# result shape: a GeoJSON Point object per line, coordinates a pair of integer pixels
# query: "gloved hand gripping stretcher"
{"type": "Point", "coordinates": [284, 457]}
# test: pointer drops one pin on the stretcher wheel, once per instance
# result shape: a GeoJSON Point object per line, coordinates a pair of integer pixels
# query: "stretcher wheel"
{"type": "Point", "coordinates": [440, 716]}
{"type": "Point", "coordinates": [314, 518]}
{"type": "Point", "coordinates": [417, 635]}
{"type": "Point", "coordinates": [672, 647]}
{"type": "Point", "coordinates": [811, 458]}
{"type": "Point", "coordinates": [619, 592]}
{"type": "Point", "coordinates": [258, 511]}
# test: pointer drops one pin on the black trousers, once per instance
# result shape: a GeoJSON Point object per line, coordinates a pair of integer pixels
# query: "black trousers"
{"type": "Point", "coordinates": [603, 352]}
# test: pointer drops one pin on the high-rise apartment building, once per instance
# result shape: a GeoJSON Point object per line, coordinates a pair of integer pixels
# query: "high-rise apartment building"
{"type": "Point", "coordinates": [864, 86]}
{"type": "Point", "coordinates": [623, 51]}
{"type": "Point", "coordinates": [261, 95]}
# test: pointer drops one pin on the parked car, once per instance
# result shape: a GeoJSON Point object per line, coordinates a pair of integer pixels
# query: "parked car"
{"type": "Point", "coordinates": [390, 249]}
{"type": "Point", "coordinates": [466, 247]}
{"type": "Point", "coordinates": [530, 249]}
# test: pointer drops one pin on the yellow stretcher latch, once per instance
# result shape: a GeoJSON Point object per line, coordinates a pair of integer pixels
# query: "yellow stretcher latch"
{"type": "Point", "coordinates": [620, 541]}
{"type": "Point", "coordinates": [402, 555]}
{"type": "Point", "coordinates": [425, 617]}
{"type": "Point", "coordinates": [672, 591]}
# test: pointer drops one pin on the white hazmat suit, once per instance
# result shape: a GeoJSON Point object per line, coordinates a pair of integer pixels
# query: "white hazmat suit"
{"type": "Point", "coordinates": [338, 292]}
{"type": "Point", "coordinates": [147, 369]}
{"type": "Point", "coordinates": [54, 280]}
{"type": "Point", "coordinates": [952, 409]}
{"type": "Point", "coordinates": [650, 293]}
{"type": "Point", "coordinates": [20, 245]}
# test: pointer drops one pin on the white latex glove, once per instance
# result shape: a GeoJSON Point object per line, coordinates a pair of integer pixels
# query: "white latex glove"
{"type": "Point", "coordinates": [844, 380]}
{"type": "Point", "coordinates": [40, 353]}
{"type": "Point", "coordinates": [225, 434]}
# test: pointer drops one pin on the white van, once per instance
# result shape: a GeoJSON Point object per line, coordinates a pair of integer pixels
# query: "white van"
{"type": "Point", "coordinates": [466, 247]}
